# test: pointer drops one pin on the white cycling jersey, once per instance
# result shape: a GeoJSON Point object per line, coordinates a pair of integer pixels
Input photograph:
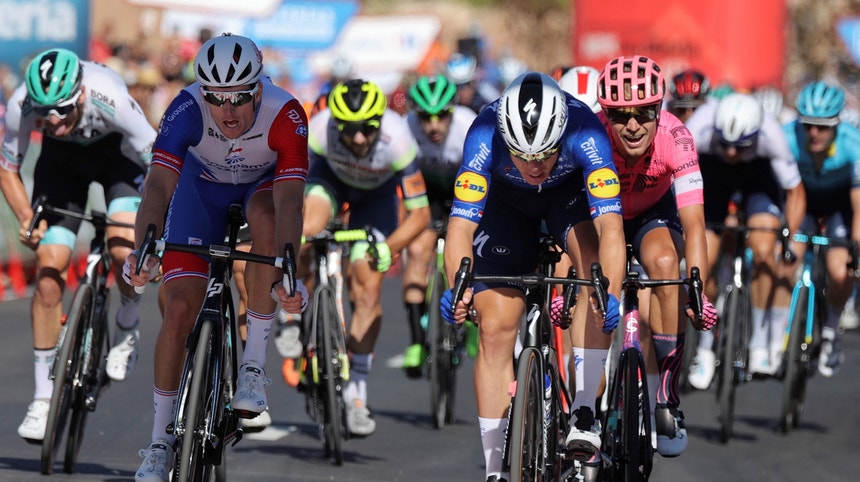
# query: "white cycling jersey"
{"type": "Point", "coordinates": [439, 163]}
{"type": "Point", "coordinates": [108, 108]}
{"type": "Point", "coordinates": [771, 144]}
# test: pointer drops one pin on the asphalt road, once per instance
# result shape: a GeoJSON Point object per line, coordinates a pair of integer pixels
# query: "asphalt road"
{"type": "Point", "coordinates": [405, 446]}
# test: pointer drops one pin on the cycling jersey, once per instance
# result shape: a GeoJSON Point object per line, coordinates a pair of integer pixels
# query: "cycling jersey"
{"type": "Point", "coordinates": [827, 186]}
{"type": "Point", "coordinates": [108, 109]}
{"type": "Point", "coordinates": [770, 144]}
{"type": "Point", "coordinates": [195, 141]}
{"type": "Point", "coordinates": [670, 163]}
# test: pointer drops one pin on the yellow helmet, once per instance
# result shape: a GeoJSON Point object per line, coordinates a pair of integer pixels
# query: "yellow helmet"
{"type": "Point", "coordinates": [357, 100]}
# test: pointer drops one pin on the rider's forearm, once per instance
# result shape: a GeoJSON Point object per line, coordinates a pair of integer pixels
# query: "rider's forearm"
{"type": "Point", "coordinates": [16, 195]}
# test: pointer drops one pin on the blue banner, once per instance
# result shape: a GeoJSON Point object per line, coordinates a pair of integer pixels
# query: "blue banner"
{"type": "Point", "coordinates": [28, 27]}
{"type": "Point", "coordinates": [298, 25]}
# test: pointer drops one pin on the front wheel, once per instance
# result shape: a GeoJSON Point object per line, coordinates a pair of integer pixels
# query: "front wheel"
{"type": "Point", "coordinates": [732, 359]}
{"type": "Point", "coordinates": [442, 345]}
{"type": "Point", "coordinates": [66, 370]}
{"type": "Point", "coordinates": [794, 385]}
{"type": "Point", "coordinates": [526, 448]}
{"type": "Point", "coordinates": [334, 365]}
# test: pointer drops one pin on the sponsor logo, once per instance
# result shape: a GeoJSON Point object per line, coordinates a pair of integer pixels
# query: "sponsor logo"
{"type": "Point", "coordinates": [295, 116]}
{"type": "Point", "coordinates": [603, 183]}
{"type": "Point", "coordinates": [479, 242]}
{"type": "Point", "coordinates": [302, 130]}
{"type": "Point", "coordinates": [477, 162]}
{"type": "Point", "coordinates": [466, 213]}
{"type": "Point", "coordinates": [501, 250]}
{"type": "Point", "coordinates": [181, 107]}
{"type": "Point", "coordinates": [589, 148]}
{"type": "Point", "coordinates": [599, 210]}
{"type": "Point", "coordinates": [470, 187]}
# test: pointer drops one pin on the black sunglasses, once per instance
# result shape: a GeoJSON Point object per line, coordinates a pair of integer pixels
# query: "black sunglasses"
{"type": "Point", "coordinates": [237, 98]}
{"type": "Point", "coordinates": [350, 129]}
{"type": "Point", "coordinates": [641, 114]}
{"type": "Point", "coordinates": [426, 117]}
{"type": "Point", "coordinates": [61, 110]}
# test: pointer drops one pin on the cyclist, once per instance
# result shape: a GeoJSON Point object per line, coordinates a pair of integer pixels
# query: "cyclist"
{"type": "Point", "coordinates": [828, 155]}
{"type": "Point", "coordinates": [231, 137]}
{"type": "Point", "coordinates": [689, 90]}
{"type": "Point", "coordinates": [439, 126]}
{"type": "Point", "coordinates": [741, 148]}
{"type": "Point", "coordinates": [664, 218]}
{"type": "Point", "coordinates": [772, 101]}
{"type": "Point", "coordinates": [360, 153]}
{"type": "Point", "coordinates": [472, 92]}
{"type": "Point", "coordinates": [93, 131]}
{"type": "Point", "coordinates": [535, 154]}
{"type": "Point", "coordinates": [581, 82]}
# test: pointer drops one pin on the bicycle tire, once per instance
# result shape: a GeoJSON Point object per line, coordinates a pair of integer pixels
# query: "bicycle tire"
{"type": "Point", "coordinates": [333, 355]}
{"type": "Point", "coordinates": [65, 371]}
{"type": "Point", "coordinates": [794, 384]}
{"type": "Point", "coordinates": [191, 464]}
{"type": "Point", "coordinates": [732, 359]}
{"type": "Point", "coordinates": [526, 448]}
{"type": "Point", "coordinates": [441, 341]}
{"type": "Point", "coordinates": [636, 419]}
{"type": "Point", "coordinates": [93, 376]}
{"type": "Point", "coordinates": [691, 342]}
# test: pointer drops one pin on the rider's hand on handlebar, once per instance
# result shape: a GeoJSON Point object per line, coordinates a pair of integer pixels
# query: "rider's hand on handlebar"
{"type": "Point", "coordinates": [709, 315]}
{"type": "Point", "coordinates": [556, 312]}
{"type": "Point", "coordinates": [383, 257]}
{"type": "Point", "coordinates": [613, 312]}
{"type": "Point", "coordinates": [453, 314]}
{"type": "Point", "coordinates": [295, 304]}
{"type": "Point", "coordinates": [138, 281]}
{"type": "Point", "coordinates": [36, 235]}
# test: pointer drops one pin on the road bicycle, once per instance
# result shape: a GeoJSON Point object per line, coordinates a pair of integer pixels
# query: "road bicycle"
{"type": "Point", "coordinates": [735, 327]}
{"type": "Point", "coordinates": [79, 368]}
{"type": "Point", "coordinates": [626, 446]}
{"type": "Point", "coordinates": [205, 422]}
{"type": "Point", "coordinates": [806, 316]}
{"type": "Point", "coordinates": [326, 360]}
{"type": "Point", "coordinates": [538, 422]}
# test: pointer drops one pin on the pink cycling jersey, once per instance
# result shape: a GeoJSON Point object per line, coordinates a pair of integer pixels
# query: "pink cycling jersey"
{"type": "Point", "coordinates": [670, 162]}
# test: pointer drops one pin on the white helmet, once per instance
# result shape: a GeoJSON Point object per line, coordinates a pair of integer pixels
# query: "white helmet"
{"type": "Point", "coordinates": [581, 82]}
{"type": "Point", "coordinates": [739, 119]}
{"type": "Point", "coordinates": [532, 114]}
{"type": "Point", "coordinates": [509, 69]}
{"type": "Point", "coordinates": [228, 61]}
{"type": "Point", "coordinates": [771, 99]}
{"type": "Point", "coordinates": [461, 68]}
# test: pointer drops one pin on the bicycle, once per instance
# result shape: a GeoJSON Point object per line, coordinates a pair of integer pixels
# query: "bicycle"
{"type": "Point", "coordinates": [79, 368]}
{"type": "Point", "coordinates": [626, 439]}
{"type": "Point", "coordinates": [205, 422]}
{"type": "Point", "coordinates": [325, 352]}
{"type": "Point", "coordinates": [537, 420]}
{"type": "Point", "coordinates": [806, 316]}
{"type": "Point", "coordinates": [735, 328]}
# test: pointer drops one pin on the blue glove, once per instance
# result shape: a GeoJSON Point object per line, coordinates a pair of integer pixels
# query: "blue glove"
{"type": "Point", "coordinates": [613, 314]}
{"type": "Point", "coordinates": [446, 306]}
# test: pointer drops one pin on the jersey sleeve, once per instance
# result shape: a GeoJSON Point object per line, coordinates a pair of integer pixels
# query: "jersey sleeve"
{"type": "Point", "coordinates": [774, 146]}
{"type": "Point", "coordinates": [181, 127]}
{"type": "Point", "coordinates": [288, 137]}
{"type": "Point", "coordinates": [473, 179]}
{"type": "Point", "coordinates": [592, 150]}
{"type": "Point", "coordinates": [16, 140]}
{"type": "Point", "coordinates": [133, 124]}
{"type": "Point", "coordinates": [686, 177]}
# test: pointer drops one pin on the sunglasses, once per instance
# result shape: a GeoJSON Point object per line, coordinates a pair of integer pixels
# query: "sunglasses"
{"type": "Point", "coordinates": [61, 110]}
{"type": "Point", "coordinates": [642, 114]}
{"type": "Point", "coordinates": [236, 97]}
{"type": "Point", "coordinates": [427, 117]}
{"type": "Point", "coordinates": [738, 145]}
{"type": "Point", "coordinates": [818, 127]}
{"type": "Point", "coordinates": [538, 157]}
{"type": "Point", "coordinates": [350, 129]}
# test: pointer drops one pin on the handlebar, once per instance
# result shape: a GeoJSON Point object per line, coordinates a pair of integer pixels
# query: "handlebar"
{"type": "Point", "coordinates": [693, 282]}
{"type": "Point", "coordinates": [816, 240]}
{"type": "Point", "coordinates": [41, 208]}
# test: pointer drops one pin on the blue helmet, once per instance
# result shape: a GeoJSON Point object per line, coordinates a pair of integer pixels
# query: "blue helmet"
{"type": "Point", "coordinates": [820, 103]}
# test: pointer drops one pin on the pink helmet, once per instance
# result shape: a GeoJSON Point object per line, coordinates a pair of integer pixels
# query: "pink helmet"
{"type": "Point", "coordinates": [630, 82]}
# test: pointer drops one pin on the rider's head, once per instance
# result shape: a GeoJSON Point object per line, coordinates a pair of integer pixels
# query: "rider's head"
{"type": "Point", "coordinates": [53, 81]}
{"type": "Point", "coordinates": [689, 90]}
{"type": "Point", "coordinates": [357, 107]}
{"type": "Point", "coordinates": [228, 61]}
{"type": "Point", "coordinates": [737, 123]}
{"type": "Point", "coordinates": [433, 99]}
{"type": "Point", "coordinates": [581, 82]}
{"type": "Point", "coordinates": [631, 90]}
{"type": "Point", "coordinates": [818, 107]}
{"type": "Point", "coordinates": [532, 116]}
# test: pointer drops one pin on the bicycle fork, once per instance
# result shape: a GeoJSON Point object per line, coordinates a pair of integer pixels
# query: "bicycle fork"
{"type": "Point", "coordinates": [804, 282]}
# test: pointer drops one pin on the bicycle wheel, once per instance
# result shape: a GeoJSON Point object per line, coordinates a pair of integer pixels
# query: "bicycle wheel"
{"type": "Point", "coordinates": [93, 379]}
{"type": "Point", "coordinates": [691, 342]}
{"type": "Point", "coordinates": [636, 420]}
{"type": "Point", "coordinates": [796, 355]}
{"type": "Point", "coordinates": [66, 371]}
{"type": "Point", "coordinates": [526, 448]}
{"type": "Point", "coordinates": [191, 463]}
{"type": "Point", "coordinates": [334, 365]}
{"type": "Point", "coordinates": [441, 341]}
{"type": "Point", "coordinates": [732, 358]}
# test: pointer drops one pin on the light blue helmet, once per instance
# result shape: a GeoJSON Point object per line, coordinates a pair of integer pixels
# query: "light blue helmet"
{"type": "Point", "coordinates": [820, 103]}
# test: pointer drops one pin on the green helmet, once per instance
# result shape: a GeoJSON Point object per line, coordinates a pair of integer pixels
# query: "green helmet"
{"type": "Point", "coordinates": [433, 94]}
{"type": "Point", "coordinates": [54, 76]}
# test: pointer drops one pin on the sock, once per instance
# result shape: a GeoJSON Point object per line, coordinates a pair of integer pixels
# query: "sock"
{"type": "Point", "coordinates": [706, 340]}
{"type": "Point", "coordinates": [759, 330]}
{"type": "Point", "coordinates": [259, 327]}
{"type": "Point", "coordinates": [164, 408]}
{"type": "Point", "coordinates": [669, 349]}
{"type": "Point", "coordinates": [359, 369]}
{"type": "Point", "coordinates": [778, 322]}
{"type": "Point", "coordinates": [414, 312]}
{"type": "Point", "coordinates": [589, 363]}
{"type": "Point", "coordinates": [129, 311]}
{"type": "Point", "coordinates": [653, 383]}
{"type": "Point", "coordinates": [493, 441]}
{"type": "Point", "coordinates": [42, 361]}
{"type": "Point", "coordinates": [833, 315]}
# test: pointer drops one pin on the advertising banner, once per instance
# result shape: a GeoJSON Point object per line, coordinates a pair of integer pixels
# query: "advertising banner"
{"type": "Point", "coordinates": [29, 26]}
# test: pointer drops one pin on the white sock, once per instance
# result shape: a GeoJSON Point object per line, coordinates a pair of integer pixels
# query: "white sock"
{"type": "Point", "coordinates": [164, 410]}
{"type": "Point", "coordinates": [359, 369]}
{"type": "Point", "coordinates": [493, 441]}
{"type": "Point", "coordinates": [778, 322]}
{"type": "Point", "coordinates": [259, 327]}
{"type": "Point", "coordinates": [42, 361]}
{"type": "Point", "coordinates": [759, 330]}
{"type": "Point", "coordinates": [129, 311]}
{"type": "Point", "coordinates": [589, 364]}
{"type": "Point", "coordinates": [653, 384]}
{"type": "Point", "coordinates": [706, 340]}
